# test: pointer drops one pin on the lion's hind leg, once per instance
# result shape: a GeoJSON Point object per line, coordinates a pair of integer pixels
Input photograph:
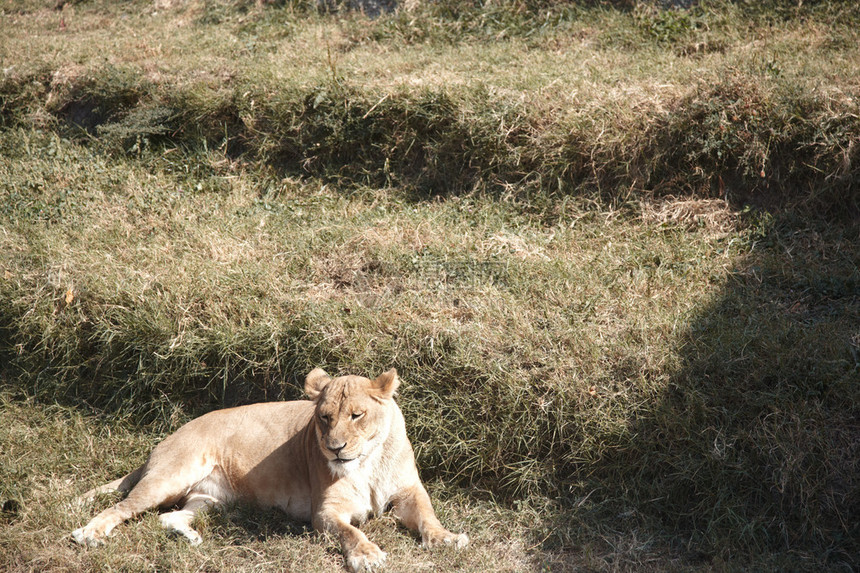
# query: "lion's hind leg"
{"type": "Point", "coordinates": [147, 494]}
{"type": "Point", "coordinates": [211, 491]}
{"type": "Point", "coordinates": [159, 487]}
{"type": "Point", "coordinates": [179, 521]}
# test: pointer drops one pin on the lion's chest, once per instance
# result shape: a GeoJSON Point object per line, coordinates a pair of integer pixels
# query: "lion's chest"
{"type": "Point", "coordinates": [368, 489]}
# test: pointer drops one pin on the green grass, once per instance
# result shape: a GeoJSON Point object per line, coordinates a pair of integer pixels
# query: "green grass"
{"type": "Point", "coordinates": [613, 255]}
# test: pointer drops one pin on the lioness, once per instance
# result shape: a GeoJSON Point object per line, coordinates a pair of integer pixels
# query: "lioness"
{"type": "Point", "coordinates": [332, 460]}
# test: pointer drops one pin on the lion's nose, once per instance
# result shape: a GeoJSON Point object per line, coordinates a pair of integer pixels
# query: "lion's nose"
{"type": "Point", "coordinates": [335, 448]}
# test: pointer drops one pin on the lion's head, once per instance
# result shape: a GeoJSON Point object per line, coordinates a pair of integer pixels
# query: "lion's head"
{"type": "Point", "coordinates": [352, 417]}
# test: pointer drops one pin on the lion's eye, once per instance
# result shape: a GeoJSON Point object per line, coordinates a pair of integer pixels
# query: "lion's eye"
{"type": "Point", "coordinates": [325, 418]}
{"type": "Point", "coordinates": [357, 415]}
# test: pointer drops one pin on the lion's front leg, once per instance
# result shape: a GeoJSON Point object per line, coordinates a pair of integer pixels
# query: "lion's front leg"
{"type": "Point", "coordinates": [412, 507]}
{"type": "Point", "coordinates": [361, 554]}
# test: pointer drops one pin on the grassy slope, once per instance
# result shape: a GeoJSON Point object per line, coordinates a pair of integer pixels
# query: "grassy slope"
{"type": "Point", "coordinates": [527, 220]}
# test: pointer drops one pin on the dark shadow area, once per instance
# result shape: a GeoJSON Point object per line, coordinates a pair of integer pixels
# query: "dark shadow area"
{"type": "Point", "coordinates": [244, 523]}
{"type": "Point", "coordinates": [757, 440]}
{"type": "Point", "coordinates": [751, 457]}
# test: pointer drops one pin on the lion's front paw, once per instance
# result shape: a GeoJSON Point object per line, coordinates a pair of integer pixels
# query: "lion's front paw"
{"type": "Point", "coordinates": [86, 537]}
{"type": "Point", "coordinates": [444, 537]}
{"type": "Point", "coordinates": [365, 557]}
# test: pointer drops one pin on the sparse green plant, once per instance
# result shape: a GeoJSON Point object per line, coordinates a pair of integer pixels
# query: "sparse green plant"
{"type": "Point", "coordinates": [662, 24]}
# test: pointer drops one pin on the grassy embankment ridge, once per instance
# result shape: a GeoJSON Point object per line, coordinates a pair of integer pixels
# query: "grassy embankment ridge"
{"type": "Point", "coordinates": [613, 254]}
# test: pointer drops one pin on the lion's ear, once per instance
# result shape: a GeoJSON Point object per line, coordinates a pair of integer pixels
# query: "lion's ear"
{"type": "Point", "coordinates": [316, 380]}
{"type": "Point", "coordinates": [387, 383]}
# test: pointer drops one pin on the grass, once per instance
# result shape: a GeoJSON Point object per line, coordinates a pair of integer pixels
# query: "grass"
{"type": "Point", "coordinates": [613, 254]}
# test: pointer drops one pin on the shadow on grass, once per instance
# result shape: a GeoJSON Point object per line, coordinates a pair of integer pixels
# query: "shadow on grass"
{"type": "Point", "coordinates": [244, 523]}
{"type": "Point", "coordinates": [750, 456]}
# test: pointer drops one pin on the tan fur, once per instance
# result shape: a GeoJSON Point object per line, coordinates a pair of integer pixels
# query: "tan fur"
{"type": "Point", "coordinates": [333, 461]}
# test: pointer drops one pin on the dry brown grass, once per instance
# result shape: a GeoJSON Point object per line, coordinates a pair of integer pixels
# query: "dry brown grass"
{"type": "Point", "coordinates": [540, 215]}
{"type": "Point", "coordinates": [716, 215]}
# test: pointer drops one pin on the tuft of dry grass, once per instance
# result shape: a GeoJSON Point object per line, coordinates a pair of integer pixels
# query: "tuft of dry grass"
{"type": "Point", "coordinates": [715, 215]}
